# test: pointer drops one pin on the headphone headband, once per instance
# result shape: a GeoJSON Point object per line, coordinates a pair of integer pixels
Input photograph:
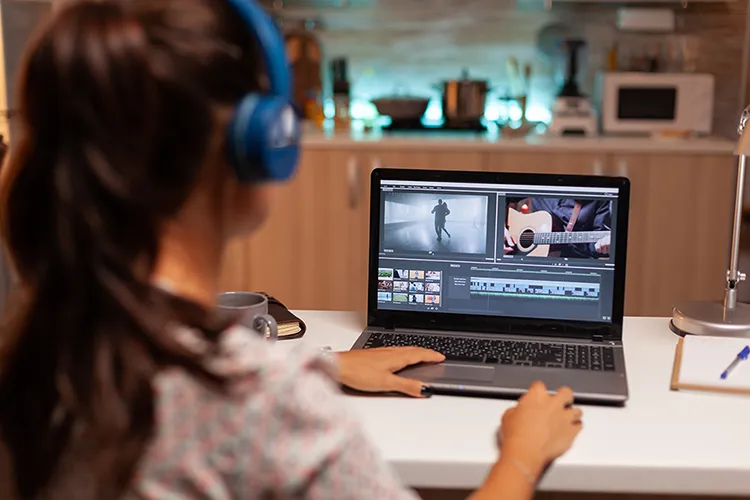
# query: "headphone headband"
{"type": "Point", "coordinates": [263, 137]}
{"type": "Point", "coordinates": [271, 43]}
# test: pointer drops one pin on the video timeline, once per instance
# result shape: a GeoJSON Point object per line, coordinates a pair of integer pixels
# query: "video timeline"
{"type": "Point", "coordinates": [534, 289]}
{"type": "Point", "coordinates": [410, 286]}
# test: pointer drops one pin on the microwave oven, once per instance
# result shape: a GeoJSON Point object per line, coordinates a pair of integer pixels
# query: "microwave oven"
{"type": "Point", "coordinates": [648, 103]}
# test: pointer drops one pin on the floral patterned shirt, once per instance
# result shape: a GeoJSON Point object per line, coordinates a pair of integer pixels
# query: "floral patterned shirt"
{"type": "Point", "coordinates": [283, 431]}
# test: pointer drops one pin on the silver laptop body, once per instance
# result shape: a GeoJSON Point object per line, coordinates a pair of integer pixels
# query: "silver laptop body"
{"type": "Point", "coordinates": [515, 277]}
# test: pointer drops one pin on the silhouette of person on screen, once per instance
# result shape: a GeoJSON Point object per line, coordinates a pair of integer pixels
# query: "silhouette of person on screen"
{"type": "Point", "coordinates": [441, 212]}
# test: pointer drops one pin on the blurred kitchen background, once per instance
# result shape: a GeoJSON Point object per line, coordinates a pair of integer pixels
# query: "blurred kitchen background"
{"type": "Point", "coordinates": [409, 47]}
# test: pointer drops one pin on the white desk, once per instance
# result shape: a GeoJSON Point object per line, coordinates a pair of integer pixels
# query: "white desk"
{"type": "Point", "coordinates": [661, 442]}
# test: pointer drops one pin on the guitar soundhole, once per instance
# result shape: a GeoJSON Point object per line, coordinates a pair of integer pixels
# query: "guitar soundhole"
{"type": "Point", "coordinates": [526, 239]}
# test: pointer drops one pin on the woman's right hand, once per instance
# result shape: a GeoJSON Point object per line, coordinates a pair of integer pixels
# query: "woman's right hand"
{"type": "Point", "coordinates": [541, 427]}
{"type": "Point", "coordinates": [533, 434]}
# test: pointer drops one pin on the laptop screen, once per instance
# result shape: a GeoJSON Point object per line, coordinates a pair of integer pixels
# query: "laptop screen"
{"type": "Point", "coordinates": [525, 251]}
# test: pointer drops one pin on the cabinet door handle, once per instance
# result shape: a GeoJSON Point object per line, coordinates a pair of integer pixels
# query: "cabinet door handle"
{"type": "Point", "coordinates": [353, 176]}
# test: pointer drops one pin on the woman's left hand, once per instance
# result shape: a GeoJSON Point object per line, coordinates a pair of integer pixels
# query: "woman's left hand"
{"type": "Point", "coordinates": [373, 370]}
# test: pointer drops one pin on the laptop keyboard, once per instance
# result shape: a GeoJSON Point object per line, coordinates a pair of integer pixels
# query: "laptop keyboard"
{"type": "Point", "coordinates": [504, 352]}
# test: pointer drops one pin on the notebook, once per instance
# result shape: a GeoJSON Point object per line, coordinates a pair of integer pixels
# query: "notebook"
{"type": "Point", "coordinates": [289, 325]}
{"type": "Point", "coordinates": [700, 361]}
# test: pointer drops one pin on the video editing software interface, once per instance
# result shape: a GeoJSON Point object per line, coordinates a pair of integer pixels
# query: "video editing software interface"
{"type": "Point", "coordinates": [525, 251]}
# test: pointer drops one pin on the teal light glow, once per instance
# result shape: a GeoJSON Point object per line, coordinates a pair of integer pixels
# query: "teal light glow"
{"type": "Point", "coordinates": [434, 111]}
{"type": "Point", "coordinates": [360, 109]}
{"type": "Point", "coordinates": [511, 111]}
{"type": "Point", "coordinates": [538, 113]}
{"type": "Point", "coordinates": [363, 110]}
{"type": "Point", "coordinates": [502, 111]}
{"type": "Point", "coordinates": [329, 110]}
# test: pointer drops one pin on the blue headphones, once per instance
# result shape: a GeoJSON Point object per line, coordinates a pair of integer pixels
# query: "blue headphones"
{"type": "Point", "coordinates": [263, 136]}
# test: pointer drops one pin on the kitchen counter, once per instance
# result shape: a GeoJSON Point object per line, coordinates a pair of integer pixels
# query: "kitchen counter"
{"type": "Point", "coordinates": [443, 140]}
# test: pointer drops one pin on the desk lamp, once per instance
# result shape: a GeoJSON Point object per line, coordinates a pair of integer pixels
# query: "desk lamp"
{"type": "Point", "coordinates": [727, 319]}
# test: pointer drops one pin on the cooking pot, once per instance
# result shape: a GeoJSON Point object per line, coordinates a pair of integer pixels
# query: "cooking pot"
{"type": "Point", "coordinates": [464, 99]}
{"type": "Point", "coordinates": [402, 108]}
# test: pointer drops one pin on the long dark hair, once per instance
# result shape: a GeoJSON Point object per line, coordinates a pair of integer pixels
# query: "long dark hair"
{"type": "Point", "coordinates": [118, 104]}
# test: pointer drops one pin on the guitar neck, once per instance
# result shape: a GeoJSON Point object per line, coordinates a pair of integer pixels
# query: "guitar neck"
{"type": "Point", "coordinates": [564, 238]}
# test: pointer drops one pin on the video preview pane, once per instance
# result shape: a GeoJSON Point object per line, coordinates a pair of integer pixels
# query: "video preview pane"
{"type": "Point", "coordinates": [540, 227]}
{"type": "Point", "coordinates": [438, 223]}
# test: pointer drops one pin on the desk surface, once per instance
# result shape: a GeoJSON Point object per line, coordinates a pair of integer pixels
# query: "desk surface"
{"type": "Point", "coordinates": [661, 442]}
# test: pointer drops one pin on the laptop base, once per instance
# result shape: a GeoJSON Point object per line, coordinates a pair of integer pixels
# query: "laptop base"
{"type": "Point", "coordinates": [490, 379]}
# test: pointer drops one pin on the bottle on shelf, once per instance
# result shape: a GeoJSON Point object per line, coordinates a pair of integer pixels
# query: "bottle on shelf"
{"type": "Point", "coordinates": [304, 53]}
{"type": "Point", "coordinates": [341, 93]}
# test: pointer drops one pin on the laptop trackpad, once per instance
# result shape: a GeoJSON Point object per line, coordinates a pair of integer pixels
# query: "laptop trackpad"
{"type": "Point", "coordinates": [466, 373]}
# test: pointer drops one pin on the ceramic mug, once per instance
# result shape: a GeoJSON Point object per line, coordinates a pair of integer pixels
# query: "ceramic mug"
{"type": "Point", "coordinates": [251, 309]}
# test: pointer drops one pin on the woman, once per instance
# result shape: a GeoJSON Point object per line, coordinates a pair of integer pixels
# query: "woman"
{"type": "Point", "coordinates": [115, 381]}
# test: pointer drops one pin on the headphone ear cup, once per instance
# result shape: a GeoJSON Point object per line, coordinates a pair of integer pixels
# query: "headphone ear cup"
{"type": "Point", "coordinates": [263, 139]}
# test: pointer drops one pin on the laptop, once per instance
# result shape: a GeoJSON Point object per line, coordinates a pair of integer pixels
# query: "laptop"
{"type": "Point", "coordinates": [514, 277]}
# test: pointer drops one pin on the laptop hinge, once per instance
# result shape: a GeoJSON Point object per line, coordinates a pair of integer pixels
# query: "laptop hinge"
{"type": "Point", "coordinates": [597, 338]}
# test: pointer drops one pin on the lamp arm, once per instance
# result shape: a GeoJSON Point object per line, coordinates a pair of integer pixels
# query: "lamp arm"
{"type": "Point", "coordinates": [734, 276]}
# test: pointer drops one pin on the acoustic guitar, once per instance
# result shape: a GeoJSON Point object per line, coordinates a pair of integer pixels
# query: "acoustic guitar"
{"type": "Point", "coordinates": [533, 233]}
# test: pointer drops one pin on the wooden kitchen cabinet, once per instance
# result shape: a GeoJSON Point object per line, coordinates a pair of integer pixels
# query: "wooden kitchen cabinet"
{"type": "Point", "coordinates": [549, 163]}
{"type": "Point", "coordinates": [312, 253]}
{"type": "Point", "coordinates": [303, 255]}
{"type": "Point", "coordinates": [681, 211]}
{"type": "Point", "coordinates": [466, 160]}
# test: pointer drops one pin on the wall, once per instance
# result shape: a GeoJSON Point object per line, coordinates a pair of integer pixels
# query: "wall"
{"type": "Point", "coordinates": [410, 45]}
